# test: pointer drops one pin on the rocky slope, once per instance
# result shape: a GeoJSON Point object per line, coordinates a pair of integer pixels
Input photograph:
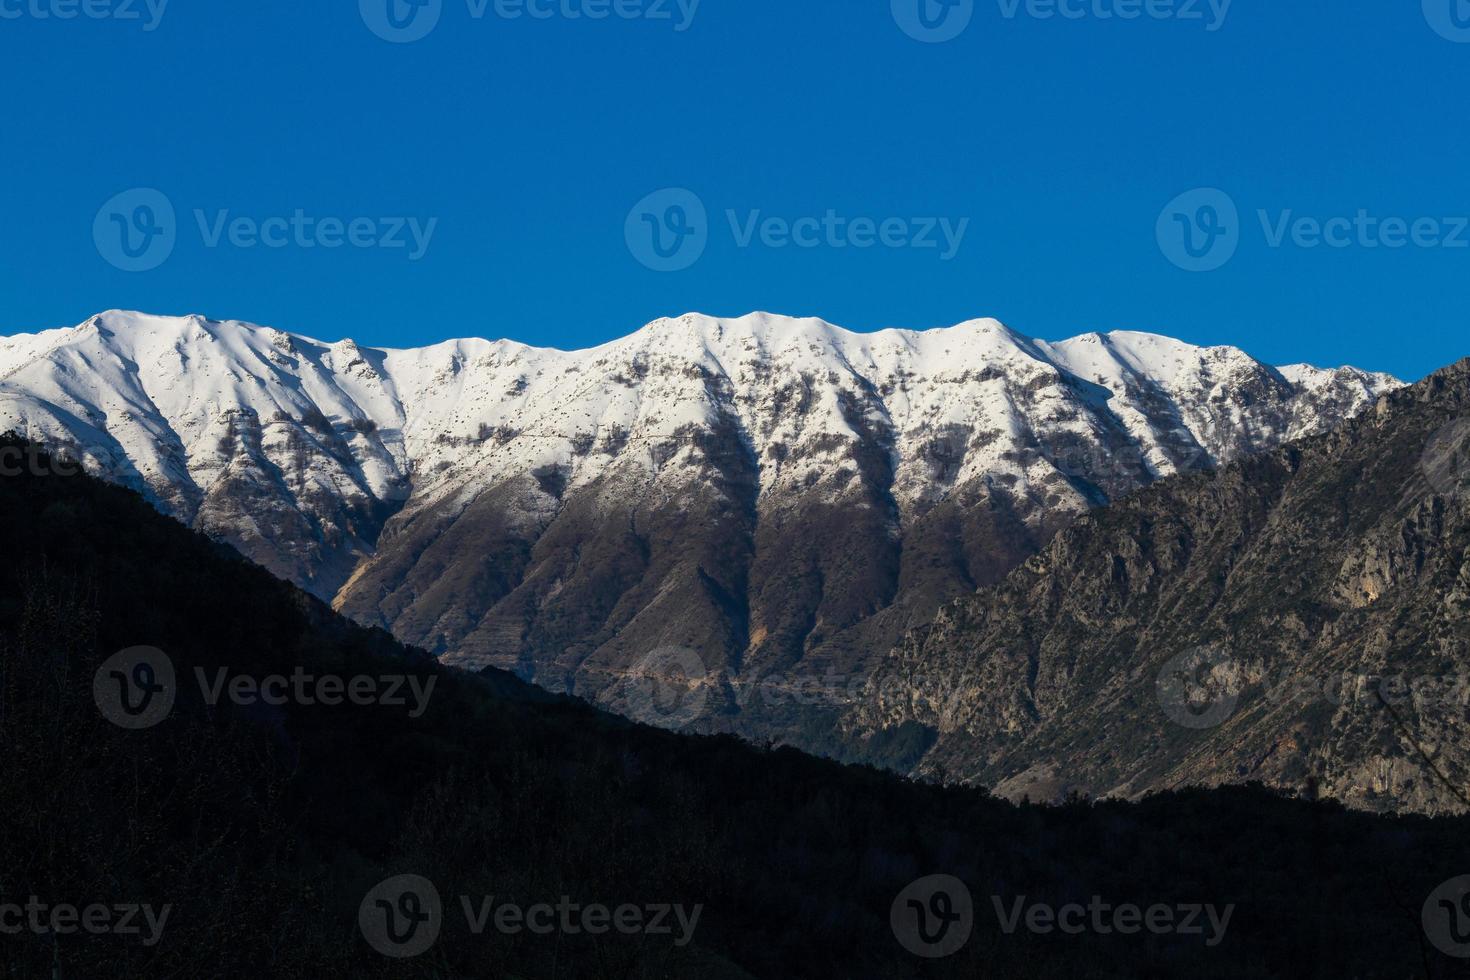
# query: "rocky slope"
{"type": "Point", "coordinates": [777, 499]}
{"type": "Point", "coordinates": [1301, 617]}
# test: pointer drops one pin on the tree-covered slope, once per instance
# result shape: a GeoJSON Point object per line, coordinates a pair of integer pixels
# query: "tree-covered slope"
{"type": "Point", "coordinates": [264, 827]}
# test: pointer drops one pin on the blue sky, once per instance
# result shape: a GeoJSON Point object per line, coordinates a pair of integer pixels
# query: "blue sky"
{"type": "Point", "coordinates": [1055, 149]}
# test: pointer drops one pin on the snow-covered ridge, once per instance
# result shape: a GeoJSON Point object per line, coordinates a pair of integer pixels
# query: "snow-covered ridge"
{"type": "Point", "coordinates": [299, 449]}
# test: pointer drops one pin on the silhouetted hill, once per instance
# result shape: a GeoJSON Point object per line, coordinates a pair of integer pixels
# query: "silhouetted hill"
{"type": "Point", "coordinates": [264, 827]}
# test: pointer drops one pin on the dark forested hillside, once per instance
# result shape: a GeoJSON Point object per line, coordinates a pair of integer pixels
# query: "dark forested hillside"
{"type": "Point", "coordinates": [266, 829]}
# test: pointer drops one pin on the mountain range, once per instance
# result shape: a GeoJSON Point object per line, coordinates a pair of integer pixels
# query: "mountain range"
{"type": "Point", "coordinates": [781, 498]}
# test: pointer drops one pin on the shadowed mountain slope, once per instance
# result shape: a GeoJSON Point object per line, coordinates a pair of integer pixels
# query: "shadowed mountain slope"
{"type": "Point", "coordinates": [1301, 617]}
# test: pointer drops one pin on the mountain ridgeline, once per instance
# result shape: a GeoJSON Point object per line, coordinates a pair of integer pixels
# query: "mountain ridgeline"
{"type": "Point", "coordinates": [778, 498]}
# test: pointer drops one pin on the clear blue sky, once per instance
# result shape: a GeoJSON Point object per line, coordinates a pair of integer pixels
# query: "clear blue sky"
{"type": "Point", "coordinates": [529, 140]}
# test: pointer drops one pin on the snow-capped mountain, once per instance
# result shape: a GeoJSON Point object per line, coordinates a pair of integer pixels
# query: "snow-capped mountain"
{"type": "Point", "coordinates": [765, 490]}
